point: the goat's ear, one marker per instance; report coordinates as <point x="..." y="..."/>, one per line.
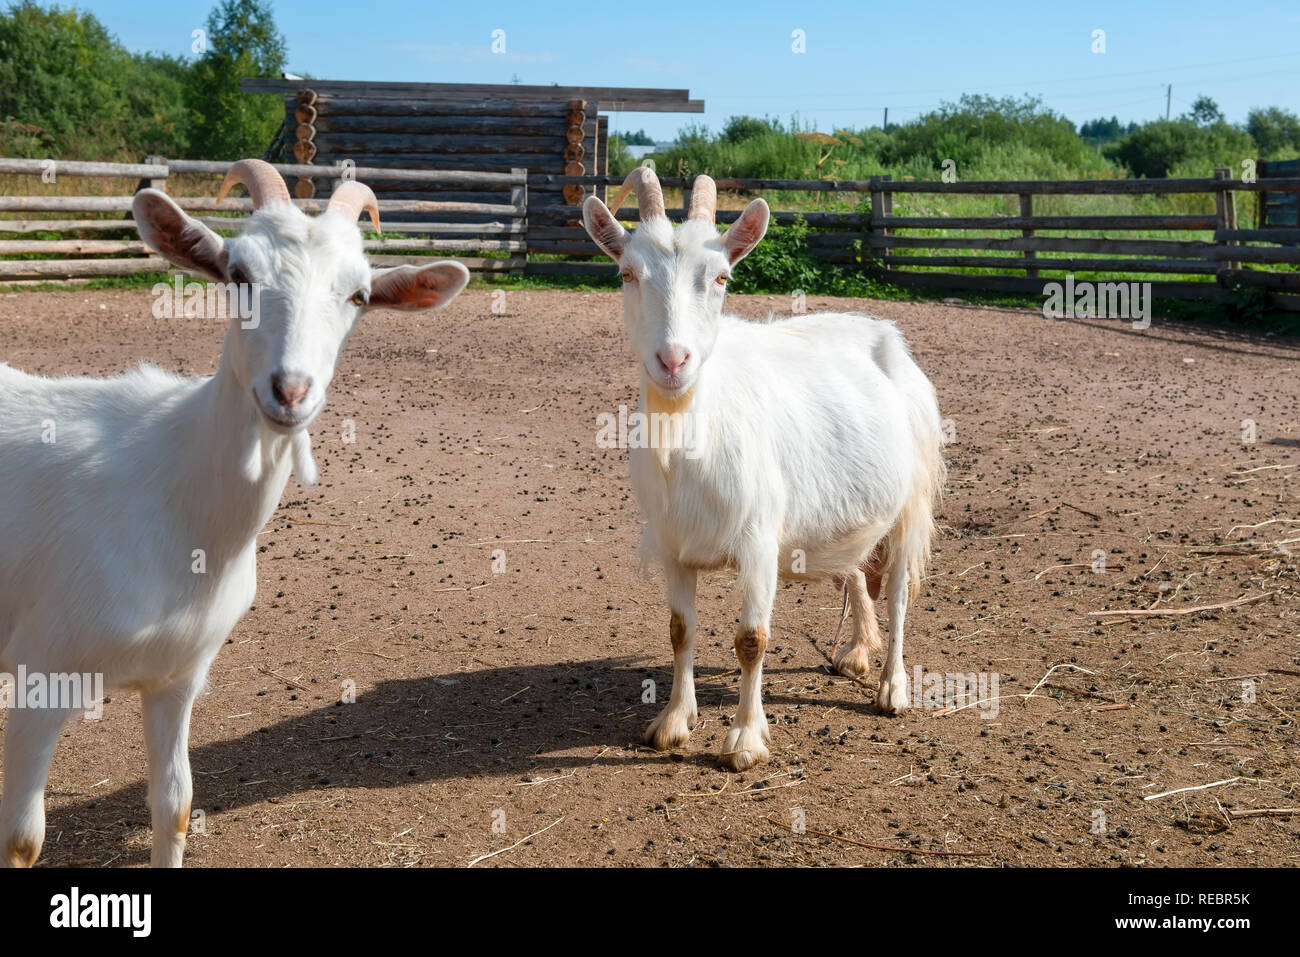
<point x="746" y="232"/>
<point x="603" y="228"/>
<point x="182" y="241"/>
<point x="417" y="287"/>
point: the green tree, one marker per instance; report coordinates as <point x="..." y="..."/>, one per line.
<point x="741" y="128"/>
<point x="241" y="41"/>
<point x="1205" y="112"/>
<point x="73" y="91"/>
<point x="1101" y="130"/>
<point x="1275" y="131"/>
<point x="1156" y="148"/>
<point x="976" y="126"/>
<point x="639" y="138"/>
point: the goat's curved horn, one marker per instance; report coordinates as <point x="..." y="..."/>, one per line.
<point x="649" y="194"/>
<point x="350" y="198"/>
<point x="704" y="199"/>
<point x="263" y="182"/>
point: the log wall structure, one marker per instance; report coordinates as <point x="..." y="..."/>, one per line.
<point x="484" y="127"/>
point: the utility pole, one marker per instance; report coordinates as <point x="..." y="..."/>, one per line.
<point x="886" y="126"/>
<point x="1169" y="95"/>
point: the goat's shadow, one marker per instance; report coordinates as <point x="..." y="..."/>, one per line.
<point x="512" y="721"/>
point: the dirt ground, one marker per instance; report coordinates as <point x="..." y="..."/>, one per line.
<point x="491" y="706"/>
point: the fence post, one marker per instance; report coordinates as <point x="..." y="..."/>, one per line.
<point x="159" y="183"/>
<point x="882" y="205"/>
<point x="519" y="197"/>
<point x="1027" y="211"/>
<point x="1224" y="208"/>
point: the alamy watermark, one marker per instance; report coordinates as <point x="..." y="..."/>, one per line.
<point x="1098" y="300"/>
<point x="210" y="300"/>
<point x="650" y="430"/>
<point x="65" y="691"/>
<point x="937" y="690"/>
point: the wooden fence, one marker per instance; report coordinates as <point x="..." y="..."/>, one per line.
<point x="1208" y="254"/>
<point x="1222" y="259"/>
<point x="500" y="228"/>
<point x="835" y="237"/>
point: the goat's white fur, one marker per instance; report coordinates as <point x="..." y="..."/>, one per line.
<point x="817" y="442"/>
<point x="100" y="528"/>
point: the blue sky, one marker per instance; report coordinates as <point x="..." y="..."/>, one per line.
<point x="737" y="56"/>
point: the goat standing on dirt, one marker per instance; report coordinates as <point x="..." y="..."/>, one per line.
<point x="131" y="506"/>
<point x="817" y="452"/>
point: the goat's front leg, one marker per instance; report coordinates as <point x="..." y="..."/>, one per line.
<point x="171" y="788"/>
<point x="746" y="742"/>
<point x="673" y="725"/>
<point x="30" y="738"/>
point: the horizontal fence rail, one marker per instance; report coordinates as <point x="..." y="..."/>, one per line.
<point x="1186" y="254"/>
<point x="501" y="228"/>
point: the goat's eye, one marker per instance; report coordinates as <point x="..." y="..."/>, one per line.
<point x="722" y="279"/>
<point x="359" y="298"/>
<point x="628" y="275"/>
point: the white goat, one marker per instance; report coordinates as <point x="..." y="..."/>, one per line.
<point x="816" y="451"/>
<point x="113" y="486"/>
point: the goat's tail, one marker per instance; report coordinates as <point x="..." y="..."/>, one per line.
<point x="907" y="545"/>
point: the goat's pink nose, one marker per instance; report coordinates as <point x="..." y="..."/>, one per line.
<point x="289" y="390"/>
<point x="673" y="358"/>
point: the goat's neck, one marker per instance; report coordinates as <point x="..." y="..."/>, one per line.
<point x="236" y="468"/>
<point x="655" y="403"/>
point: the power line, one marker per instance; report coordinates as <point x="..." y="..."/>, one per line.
<point x="1020" y="84"/>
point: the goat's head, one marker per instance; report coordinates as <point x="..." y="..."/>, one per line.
<point x="674" y="280"/>
<point x="311" y="282"/>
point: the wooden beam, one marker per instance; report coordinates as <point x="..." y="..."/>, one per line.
<point x="69" y="268"/>
<point x="1186" y="266"/>
<point x="85" y="247"/>
<point x="510" y="264"/>
<point x="466" y="177"/>
<point x="36" y="167"/>
<point x="1274" y="235"/>
<point x="65" y="225"/>
<point x="206" y="204"/>
<point x="639" y="99"/>
<point x="723" y="182"/>
<point x="1172" y="248"/>
<point x="1050" y="222"/>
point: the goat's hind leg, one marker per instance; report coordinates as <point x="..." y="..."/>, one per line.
<point x="673" y="725"/>
<point x="31" y="735"/>
<point x="891" y="695"/>
<point x="854" y="659"/>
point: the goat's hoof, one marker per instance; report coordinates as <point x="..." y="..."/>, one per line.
<point x="745" y="747"/>
<point x="853" y="661"/>
<point x="891" y="695"/>
<point x="21" y="853"/>
<point x="670" y="729"/>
